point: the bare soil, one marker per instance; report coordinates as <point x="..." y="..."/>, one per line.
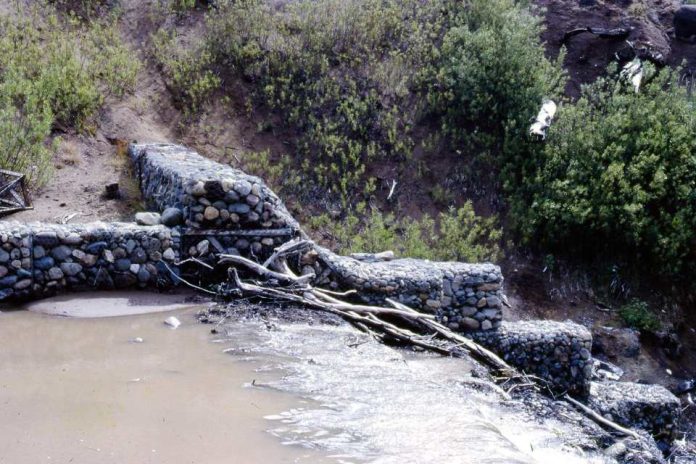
<point x="588" y="55"/>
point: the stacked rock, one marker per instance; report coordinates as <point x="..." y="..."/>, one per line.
<point x="463" y="296"/>
<point x="209" y="245"/>
<point x="557" y="352"/>
<point x="211" y="195"/>
<point x="15" y="260"/>
<point x="98" y="255"/>
<point x="648" y="407"/>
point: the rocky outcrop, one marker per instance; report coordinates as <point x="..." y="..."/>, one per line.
<point x="685" y="23"/>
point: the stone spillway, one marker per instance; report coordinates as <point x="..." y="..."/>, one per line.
<point x="219" y="209"/>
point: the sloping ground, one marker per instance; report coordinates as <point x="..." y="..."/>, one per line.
<point x="85" y="164"/>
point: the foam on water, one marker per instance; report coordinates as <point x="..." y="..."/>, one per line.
<point x="370" y="403"/>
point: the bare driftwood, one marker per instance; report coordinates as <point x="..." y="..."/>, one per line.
<point x="600" y="419"/>
<point x="298" y="289"/>
<point x="13" y="192"/>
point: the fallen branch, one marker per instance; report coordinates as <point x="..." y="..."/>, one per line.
<point x="286" y="249"/>
<point x="600" y="419"/>
<point x="185" y="282"/>
<point x="301" y="292"/>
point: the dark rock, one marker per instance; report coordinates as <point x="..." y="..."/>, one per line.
<point x="123" y="264"/>
<point x="112" y="192"/>
<point x="44" y="263"/>
<point x="38" y="252"/>
<point x="22" y="284"/>
<point x="8" y="281"/>
<point x="172" y="217"/>
<point x="670" y="343"/>
<point x="143" y="275"/>
<point x="96" y="247"/>
<point x="214" y="190"/>
<point x="46" y="238"/>
<point x="71" y="269"/>
<point x="23" y="273"/>
<point x="685" y="386"/>
<point x="239" y="208"/>
<point x="685" y="23"/>
<point x="139" y="256"/>
<point x="61" y="253"/>
<point x="615" y="342"/>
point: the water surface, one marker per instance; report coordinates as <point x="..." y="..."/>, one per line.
<point x="129" y="389"/>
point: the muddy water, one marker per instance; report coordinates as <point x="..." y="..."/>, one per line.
<point x="81" y="390"/>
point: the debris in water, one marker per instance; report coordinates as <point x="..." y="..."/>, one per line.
<point x="172" y="322"/>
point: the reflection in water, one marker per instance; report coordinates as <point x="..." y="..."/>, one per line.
<point x="371" y="403"/>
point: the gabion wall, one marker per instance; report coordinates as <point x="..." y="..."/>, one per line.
<point x="42" y="259"/>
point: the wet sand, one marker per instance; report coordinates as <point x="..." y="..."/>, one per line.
<point x="80" y="390"/>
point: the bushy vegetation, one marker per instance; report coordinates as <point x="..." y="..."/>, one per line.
<point x="617" y="177"/>
<point x="637" y="314"/>
<point x="53" y="74"/>
<point x="361" y="82"/>
<point x="492" y="78"/>
<point x="462" y="235"/>
<point x="354" y="78"/>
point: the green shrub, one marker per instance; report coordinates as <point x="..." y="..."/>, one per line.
<point x="637" y="314"/>
<point x="53" y="74"/>
<point x="493" y="76"/>
<point x="617" y="177"/>
<point x="354" y="78"/>
<point x="462" y="236"/>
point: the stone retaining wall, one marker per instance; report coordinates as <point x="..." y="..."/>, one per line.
<point x="42" y="259"/>
<point x="211" y="195"/>
<point x="648" y="407"/>
<point x="463" y="296"/>
<point x="558" y="352"/>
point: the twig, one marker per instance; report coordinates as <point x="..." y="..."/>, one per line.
<point x="391" y="190"/>
<point x="195" y="260"/>
<point x="188" y="283"/>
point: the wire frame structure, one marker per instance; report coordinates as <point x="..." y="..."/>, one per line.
<point x="13" y="193"/>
